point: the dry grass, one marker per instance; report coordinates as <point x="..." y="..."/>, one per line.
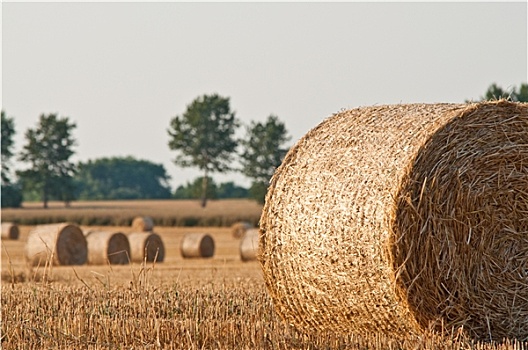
<point x="238" y="316"/>
<point x="122" y="213"/>
<point x="217" y="303"/>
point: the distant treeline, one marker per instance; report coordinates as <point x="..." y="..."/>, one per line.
<point x="120" y="178"/>
<point x="203" y="137"/>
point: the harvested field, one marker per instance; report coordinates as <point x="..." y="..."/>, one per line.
<point x="216" y="303"/>
<point x="122" y="213"/>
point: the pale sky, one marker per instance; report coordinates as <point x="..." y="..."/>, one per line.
<point x="121" y="71"/>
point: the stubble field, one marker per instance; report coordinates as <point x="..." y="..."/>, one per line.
<point x="214" y="303"/>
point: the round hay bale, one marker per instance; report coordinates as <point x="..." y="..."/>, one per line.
<point x="397" y="219"/>
<point x="60" y="244"/>
<point x="249" y="245"/>
<point x="10" y="230"/>
<point x="142" y="224"/>
<point x="238" y="229"/>
<point x="146" y="246"/>
<point x="197" y="245"/>
<point x="106" y="247"/>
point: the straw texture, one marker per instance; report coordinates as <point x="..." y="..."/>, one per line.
<point x="105" y="247"/>
<point x="58" y="244"/>
<point x="142" y="224"/>
<point x="10" y="230"/>
<point x="197" y="245"/>
<point x="249" y="245"/>
<point x="146" y="246"/>
<point x="398" y="218"/>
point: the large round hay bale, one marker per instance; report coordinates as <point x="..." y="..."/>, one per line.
<point x="60" y="244"/>
<point x="396" y="218"/>
<point x="238" y="229"/>
<point x="197" y="245"/>
<point x="249" y="245"/>
<point x="10" y="230"/>
<point x="142" y="224"/>
<point x="105" y="247"/>
<point x="146" y="246"/>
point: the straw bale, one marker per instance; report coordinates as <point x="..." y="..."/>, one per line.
<point x="238" y="229"/>
<point x="249" y="245"/>
<point x="142" y="224"/>
<point x="60" y="244"/>
<point x="10" y="230"/>
<point x="146" y="246"/>
<point x="105" y="247"/>
<point x="396" y="218"/>
<point x="197" y="245"/>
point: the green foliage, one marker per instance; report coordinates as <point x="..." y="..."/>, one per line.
<point x="11" y="196"/>
<point x="263" y="148"/>
<point x="122" y="178"/>
<point x="8" y="131"/>
<point x="496" y="92"/>
<point x="193" y="190"/>
<point x="230" y="190"/>
<point x="263" y="151"/>
<point x="204" y="136"/>
<point x="48" y="150"/>
<point x="258" y="191"/>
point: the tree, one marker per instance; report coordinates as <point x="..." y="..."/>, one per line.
<point x="495" y="92"/>
<point x="48" y="150"/>
<point x="263" y="151"/>
<point x="230" y="190"/>
<point x="11" y="192"/>
<point x="193" y="190"/>
<point x="8" y="131"/>
<point x="521" y="95"/>
<point x="122" y="178"/>
<point x="204" y="137"/>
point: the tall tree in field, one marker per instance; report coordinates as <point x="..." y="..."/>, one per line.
<point x="262" y="152"/>
<point x="204" y="137"/>
<point x="8" y="131"/>
<point x="11" y="192"/>
<point x="48" y="150"/>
